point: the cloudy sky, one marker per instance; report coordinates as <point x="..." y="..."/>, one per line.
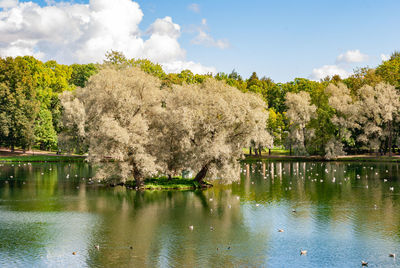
<point x="280" y="39"/>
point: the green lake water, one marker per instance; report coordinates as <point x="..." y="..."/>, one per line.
<point x="341" y="213"/>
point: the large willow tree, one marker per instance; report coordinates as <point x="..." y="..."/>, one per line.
<point x="379" y="110"/>
<point x="300" y="112"/>
<point x="135" y="128"/>
<point x="110" y="117"/>
<point x="204" y="127"/>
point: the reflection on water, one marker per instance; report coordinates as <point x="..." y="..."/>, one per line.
<point x="341" y="213"/>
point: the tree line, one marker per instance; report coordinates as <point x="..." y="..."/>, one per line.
<point x="330" y="117"/>
<point x="30" y="109"/>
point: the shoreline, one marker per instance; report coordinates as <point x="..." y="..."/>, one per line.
<point x="346" y="158"/>
<point x="37" y="156"/>
<point x="44" y="156"/>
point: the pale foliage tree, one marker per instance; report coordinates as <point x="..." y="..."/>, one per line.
<point x="72" y="138"/>
<point x="333" y="148"/>
<point x="379" y="109"/>
<point x="112" y="117"/>
<point x="346" y="112"/>
<point x="126" y="116"/>
<point x="300" y="112"/>
<point x="203" y="127"/>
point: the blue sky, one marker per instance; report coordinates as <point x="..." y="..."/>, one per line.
<point x="279" y="39"/>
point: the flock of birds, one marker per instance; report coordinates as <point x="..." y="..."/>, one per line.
<point x="310" y="173"/>
<point x="11" y="177"/>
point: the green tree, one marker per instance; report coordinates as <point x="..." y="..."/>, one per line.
<point x="18" y="103"/>
<point x="390" y="70"/>
<point x="361" y="77"/>
<point x="277" y="127"/>
<point x="186" y="76"/>
<point x="149" y="67"/>
<point x="81" y="74"/>
<point x="45" y="135"/>
<point x="114" y="57"/>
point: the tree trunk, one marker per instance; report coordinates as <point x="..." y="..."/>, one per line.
<point x="260" y="151"/>
<point x="250" y="151"/>
<point x="202" y="174"/>
<point x="390" y="138"/>
<point x="139" y="182"/>
<point x="138" y="176"/>
<point x="12" y="148"/>
<point x="269" y="151"/>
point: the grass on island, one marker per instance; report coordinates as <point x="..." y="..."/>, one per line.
<point x="163" y="183"/>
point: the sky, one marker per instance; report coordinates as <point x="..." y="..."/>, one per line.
<point x="278" y="39"/>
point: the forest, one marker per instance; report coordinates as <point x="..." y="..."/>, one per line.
<point x="329" y="118"/>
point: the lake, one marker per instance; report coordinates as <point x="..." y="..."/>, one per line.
<point x="341" y="213"/>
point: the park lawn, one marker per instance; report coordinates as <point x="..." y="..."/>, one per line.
<point x="42" y="158"/>
<point x="265" y="152"/>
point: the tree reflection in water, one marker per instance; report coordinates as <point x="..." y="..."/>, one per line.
<point x="345" y="212"/>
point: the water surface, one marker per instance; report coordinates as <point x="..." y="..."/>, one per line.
<point x="341" y="213"/>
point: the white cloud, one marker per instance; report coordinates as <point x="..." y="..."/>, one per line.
<point x="163" y="45"/>
<point x="352" y="56"/>
<point x="385" y="57"/>
<point x="8" y="3"/>
<point x="205" y="39"/>
<point x="328" y="70"/>
<point x="194" y="7"/>
<point x="69" y="32"/>
<point x="177" y="66"/>
<point x="21" y="47"/>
